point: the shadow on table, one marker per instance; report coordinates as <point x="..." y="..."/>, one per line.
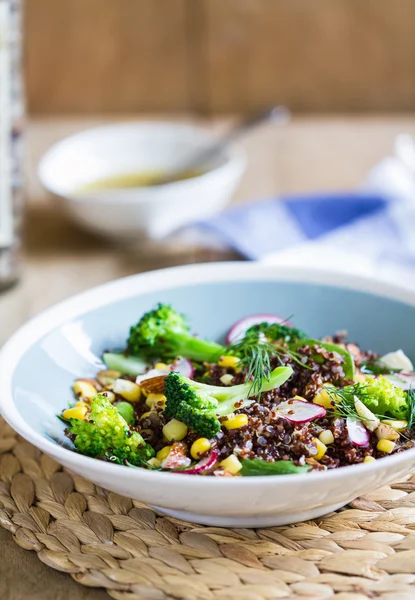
<point x="50" y="232"/>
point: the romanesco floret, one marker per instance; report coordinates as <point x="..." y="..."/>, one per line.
<point x="199" y="405"/>
<point x="383" y="398"/>
<point x="106" y="434"/>
<point x="164" y="333"/>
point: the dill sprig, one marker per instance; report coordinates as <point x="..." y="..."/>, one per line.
<point x="411" y="413"/>
<point x="255" y="352"/>
<point x="278" y="332"/>
<point x="343" y="399"/>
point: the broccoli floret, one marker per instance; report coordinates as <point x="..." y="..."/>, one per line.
<point x="277" y="332"/>
<point x="199" y="405"/>
<point x="106" y="434"/>
<point x="383" y="398"/>
<point x="164" y="333"/>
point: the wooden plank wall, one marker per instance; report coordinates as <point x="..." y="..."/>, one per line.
<point x="213" y="56"/>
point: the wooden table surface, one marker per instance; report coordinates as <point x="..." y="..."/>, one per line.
<point x="310" y="154"/>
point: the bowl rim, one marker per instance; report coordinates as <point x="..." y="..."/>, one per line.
<point x="126" y="287"/>
<point x="234" y="162"/>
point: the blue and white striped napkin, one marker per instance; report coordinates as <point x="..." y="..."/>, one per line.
<point x="371" y="230"/>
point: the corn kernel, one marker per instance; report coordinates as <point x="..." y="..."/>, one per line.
<point x="199" y="447"/>
<point x="321" y="449"/>
<point x="368" y="459"/>
<point x="226" y="379"/>
<point x="236" y="422"/>
<point x="385" y="446"/>
<point x="77" y="412"/>
<point x="326" y="437"/>
<point x="398" y="425"/>
<point x="81" y="403"/>
<point x="161" y="366"/>
<point x="84" y="389"/>
<point x="127" y="389"/>
<point x="163" y="453"/>
<point x="231" y="464"/>
<point x="154" y="462"/>
<point x="324" y="399"/>
<point x="156" y="400"/>
<point x="228" y="361"/>
<point x="174" y="430"/>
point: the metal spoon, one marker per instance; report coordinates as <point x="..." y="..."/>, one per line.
<point x="277" y="114"/>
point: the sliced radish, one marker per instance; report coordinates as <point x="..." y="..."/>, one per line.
<point x="300" y="411"/>
<point x="181" y="365"/>
<point x="358" y="434"/>
<point x="238" y="330"/>
<point x="402" y="380"/>
<point x="203" y="465"/>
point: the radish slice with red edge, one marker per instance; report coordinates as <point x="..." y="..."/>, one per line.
<point x="181" y="365"/>
<point x="358" y="434"/>
<point x="204" y="464"/>
<point x="238" y="330"/>
<point x="300" y="411"/>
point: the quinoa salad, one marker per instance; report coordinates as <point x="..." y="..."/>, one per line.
<point x="271" y="400"/>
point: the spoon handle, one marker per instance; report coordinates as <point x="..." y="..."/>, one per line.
<point x="276" y="114"/>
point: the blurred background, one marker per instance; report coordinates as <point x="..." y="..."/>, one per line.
<point x="219" y="56"/>
<point x="346" y="71"/>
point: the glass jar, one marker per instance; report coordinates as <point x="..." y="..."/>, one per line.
<point x="11" y="129"/>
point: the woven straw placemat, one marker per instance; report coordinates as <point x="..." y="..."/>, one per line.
<point x="366" y="550"/>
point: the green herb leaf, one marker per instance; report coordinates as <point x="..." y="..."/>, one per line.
<point x="343" y="399"/>
<point x="277" y="332"/>
<point x="377" y="367"/>
<point x="348" y="363"/>
<point x="255" y="353"/>
<point x="126" y="410"/>
<point x="410" y="397"/>
<point x="257" y="466"/>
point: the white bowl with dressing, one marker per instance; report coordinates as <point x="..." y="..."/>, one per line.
<point x="79" y="168"/>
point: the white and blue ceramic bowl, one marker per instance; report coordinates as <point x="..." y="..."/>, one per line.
<point x="147" y="147"/>
<point x="39" y="364"/>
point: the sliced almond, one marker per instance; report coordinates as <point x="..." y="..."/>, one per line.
<point x="155" y="385"/>
<point x="385" y="432"/>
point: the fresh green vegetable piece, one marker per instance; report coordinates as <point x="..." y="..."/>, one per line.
<point x="255" y="352"/>
<point x="106" y="434"/>
<point x="277" y="332"/>
<point x="344" y="400"/>
<point x="164" y="333"/>
<point x="199" y="405"/>
<point x="410" y="398"/>
<point x="348" y="363"/>
<point x="257" y="466"/>
<point x="126" y="410"/>
<point x="127" y="365"/>
<point x="381" y="396"/>
<point x="377" y="367"/>
<point x="378" y="394"/>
